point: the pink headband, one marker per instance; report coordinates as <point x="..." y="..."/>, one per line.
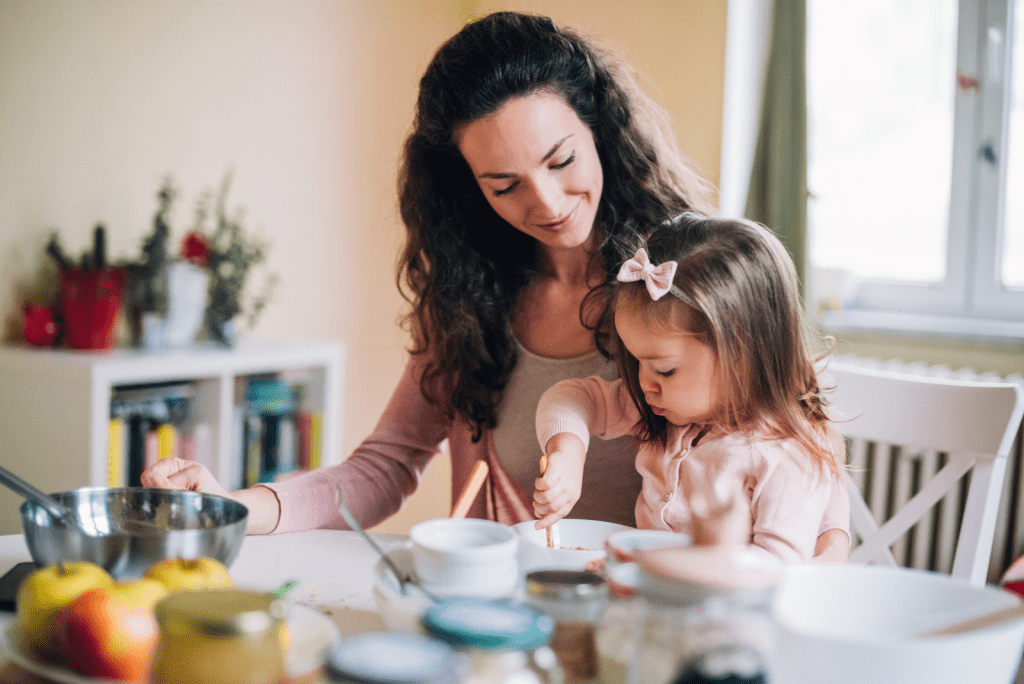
<point x="657" y="278"/>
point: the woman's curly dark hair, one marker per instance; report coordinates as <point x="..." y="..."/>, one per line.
<point x="463" y="266"/>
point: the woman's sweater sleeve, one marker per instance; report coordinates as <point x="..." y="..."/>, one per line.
<point x="379" y="475"/>
<point x="585" y="407"/>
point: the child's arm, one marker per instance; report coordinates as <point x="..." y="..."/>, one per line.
<point x="567" y="414"/>
<point x="558" y="489"/>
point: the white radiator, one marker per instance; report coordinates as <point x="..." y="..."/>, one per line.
<point x="892" y="477"/>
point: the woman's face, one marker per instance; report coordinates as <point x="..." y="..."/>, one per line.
<point x="537" y="165"/>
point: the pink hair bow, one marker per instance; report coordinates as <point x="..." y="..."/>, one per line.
<point x="657" y="278"/>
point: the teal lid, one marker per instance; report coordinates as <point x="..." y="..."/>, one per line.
<point x="394" y="658"/>
<point x="486" y="624"/>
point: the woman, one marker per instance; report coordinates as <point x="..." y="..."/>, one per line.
<point x="533" y="156"/>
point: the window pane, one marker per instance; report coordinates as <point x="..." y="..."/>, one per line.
<point x="880" y="77"/>
<point x="1013" y="223"/>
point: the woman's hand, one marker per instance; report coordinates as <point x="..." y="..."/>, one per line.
<point x="179" y="473"/>
<point x="558" y="489"/>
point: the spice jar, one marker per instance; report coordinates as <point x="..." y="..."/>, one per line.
<point x="392" y="657"/>
<point x="575" y="600"/>
<point x="703" y="615"/>
<point x="222" y="636"/>
<point x="506" y="643"/>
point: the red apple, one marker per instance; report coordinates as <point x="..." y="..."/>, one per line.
<point x="112" y="632"/>
<point x="44" y="594"/>
<point x="192" y="573"/>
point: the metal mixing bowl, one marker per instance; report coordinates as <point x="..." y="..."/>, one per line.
<point x="125" y="530"/>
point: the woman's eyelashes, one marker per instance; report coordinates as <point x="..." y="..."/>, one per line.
<point x="561" y="165"/>
<point x="666" y="373"/>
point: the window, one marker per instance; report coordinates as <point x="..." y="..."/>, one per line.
<point x="916" y="164"/>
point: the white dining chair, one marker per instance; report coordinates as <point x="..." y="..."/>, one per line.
<point x="962" y="426"/>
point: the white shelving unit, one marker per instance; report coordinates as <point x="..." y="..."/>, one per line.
<point x="55" y="404"/>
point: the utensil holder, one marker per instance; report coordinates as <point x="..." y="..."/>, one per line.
<point x="91" y="302"/>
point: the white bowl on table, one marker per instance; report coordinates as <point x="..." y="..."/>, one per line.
<point x="860" y="623"/>
<point x="465" y="557"/>
<point x="578" y="543"/>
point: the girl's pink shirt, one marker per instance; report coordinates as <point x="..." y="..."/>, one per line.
<point x="792" y="499"/>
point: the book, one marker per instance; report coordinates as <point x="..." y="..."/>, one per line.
<point x="167" y="441"/>
<point x="116" y="451"/>
<point x="316" y="424"/>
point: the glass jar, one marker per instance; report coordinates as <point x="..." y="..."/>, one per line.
<point x="389" y="657"/>
<point x="506" y="643"/>
<point x="221" y="636"/>
<point x="575" y="600"/>
<point x="703" y="615"/>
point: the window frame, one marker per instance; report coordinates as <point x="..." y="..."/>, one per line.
<point x="970" y="302"/>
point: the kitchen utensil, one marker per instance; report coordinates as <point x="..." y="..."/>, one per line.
<point x="547" y="530"/>
<point x="469" y="490"/>
<point x="402" y="577"/>
<point x="127" y="529"/>
<point x="58" y="510"/>
<point x="992" y="619"/>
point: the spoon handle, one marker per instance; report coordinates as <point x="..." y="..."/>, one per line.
<point x="30" y="492"/>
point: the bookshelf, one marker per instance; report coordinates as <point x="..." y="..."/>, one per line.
<point x="55" y="405"/>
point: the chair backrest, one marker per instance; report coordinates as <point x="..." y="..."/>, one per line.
<point x="933" y="431"/>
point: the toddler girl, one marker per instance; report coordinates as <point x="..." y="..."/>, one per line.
<point x="717" y="383"/>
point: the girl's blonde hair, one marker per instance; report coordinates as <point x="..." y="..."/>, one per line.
<point x="742" y="286"/>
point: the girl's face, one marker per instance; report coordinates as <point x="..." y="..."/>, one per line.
<point x="537" y="165"/>
<point x="678" y="372"/>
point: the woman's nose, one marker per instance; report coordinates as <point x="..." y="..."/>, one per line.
<point x="549" y="198"/>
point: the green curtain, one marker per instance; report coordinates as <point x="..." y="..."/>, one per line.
<point x="777" y="196"/>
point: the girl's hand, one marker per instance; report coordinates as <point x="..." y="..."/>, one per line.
<point x="179" y="473"/>
<point x="558" y="489"/>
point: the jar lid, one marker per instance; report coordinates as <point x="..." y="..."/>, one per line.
<point x="395" y="658"/>
<point x="566" y="585"/>
<point x="490" y="625"/>
<point x="219" y="612"/>
<point x="696" y="572"/>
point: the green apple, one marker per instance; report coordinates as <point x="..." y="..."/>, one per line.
<point x="111" y="631"/>
<point x="44" y="594"/>
<point x="194" y="573"/>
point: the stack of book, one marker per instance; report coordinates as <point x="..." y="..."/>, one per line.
<point x="145" y="426"/>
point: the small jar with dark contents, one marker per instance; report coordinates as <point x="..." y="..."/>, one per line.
<point x="575" y="600"/>
<point x="703" y="616"/>
<point x="222" y="636"/>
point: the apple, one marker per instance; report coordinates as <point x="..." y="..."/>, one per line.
<point x="112" y="632"/>
<point x="44" y="594"/>
<point x="193" y="573"/>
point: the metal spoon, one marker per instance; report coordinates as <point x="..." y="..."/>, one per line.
<point x="56" y="509"/>
<point x="403" y="578"/>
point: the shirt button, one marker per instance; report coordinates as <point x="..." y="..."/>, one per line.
<point x="667" y="497"/>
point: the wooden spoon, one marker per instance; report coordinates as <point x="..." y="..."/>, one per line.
<point x="992" y="619"/>
<point x="469" y="490"/>
<point x="543" y="469"/>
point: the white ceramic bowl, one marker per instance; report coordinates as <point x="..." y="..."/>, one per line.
<point x="622" y="546"/>
<point x="859" y="623"/>
<point x="576" y="543"/>
<point x="465" y="557"/>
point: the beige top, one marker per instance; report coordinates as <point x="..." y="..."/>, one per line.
<point x="611" y="482"/>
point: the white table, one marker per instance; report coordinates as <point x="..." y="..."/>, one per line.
<point x="333" y="568"/>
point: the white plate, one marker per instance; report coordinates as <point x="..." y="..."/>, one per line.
<point x="311" y="634"/>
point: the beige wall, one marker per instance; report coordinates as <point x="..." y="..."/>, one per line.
<point x="308" y="102"/>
